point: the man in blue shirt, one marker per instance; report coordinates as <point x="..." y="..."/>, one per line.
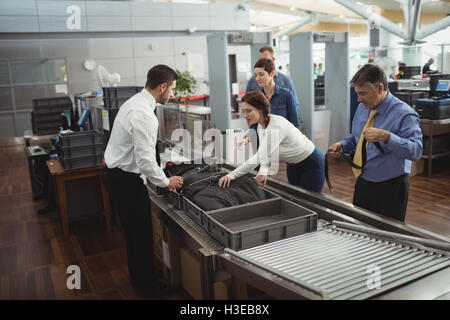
<point x="383" y="184"/>
<point x="279" y="78"/>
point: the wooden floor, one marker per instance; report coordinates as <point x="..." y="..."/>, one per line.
<point x="34" y="256"/>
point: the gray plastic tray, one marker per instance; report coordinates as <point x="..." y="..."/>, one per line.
<point x="199" y="215"/>
<point x="80" y="139"/>
<point x="81" y="152"/>
<point x="176" y="199"/>
<point x="79" y="163"/>
<point x="254" y="224"/>
<point x="156" y="189"/>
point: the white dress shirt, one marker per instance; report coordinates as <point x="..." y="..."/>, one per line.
<point x="293" y="146"/>
<point x="131" y="146"/>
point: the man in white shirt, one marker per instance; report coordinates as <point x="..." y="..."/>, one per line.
<point x="131" y="152"/>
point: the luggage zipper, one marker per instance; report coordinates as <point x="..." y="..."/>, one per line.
<point x="212" y="167"/>
<point x="212" y="178"/>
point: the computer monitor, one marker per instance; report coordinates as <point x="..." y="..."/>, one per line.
<point x="442" y="86"/>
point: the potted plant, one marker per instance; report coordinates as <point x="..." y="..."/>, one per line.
<point x="186" y="85"/>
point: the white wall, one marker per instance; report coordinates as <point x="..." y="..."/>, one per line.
<point x="98" y="16"/>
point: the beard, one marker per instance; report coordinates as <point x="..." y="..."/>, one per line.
<point x="164" y="97"/>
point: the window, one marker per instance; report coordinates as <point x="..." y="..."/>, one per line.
<point x="38" y="71"/>
<point x="5" y="99"/>
<point x="33" y="78"/>
<point x="4" y="73"/>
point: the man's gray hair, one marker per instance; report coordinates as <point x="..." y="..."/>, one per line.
<point x="370" y="75"/>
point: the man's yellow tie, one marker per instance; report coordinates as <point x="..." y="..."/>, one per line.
<point x="357" y="159"/>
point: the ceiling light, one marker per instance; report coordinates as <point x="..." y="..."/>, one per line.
<point x="292" y="8"/>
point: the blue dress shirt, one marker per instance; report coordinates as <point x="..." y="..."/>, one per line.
<point x="404" y="145"/>
<point x="279" y="78"/>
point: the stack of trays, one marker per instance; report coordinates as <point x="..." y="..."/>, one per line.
<point x="114" y="97"/>
<point x="46" y="117"/>
<point x="253" y="224"/>
<point x="78" y="150"/>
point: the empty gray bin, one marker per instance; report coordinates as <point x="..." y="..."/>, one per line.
<point x="198" y="214"/>
<point x="254" y="224"/>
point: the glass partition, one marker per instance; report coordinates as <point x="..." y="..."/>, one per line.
<point x="38" y="71"/>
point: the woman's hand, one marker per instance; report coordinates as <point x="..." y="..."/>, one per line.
<point x="224" y="182"/>
<point x="261" y="179"/>
<point x="243" y="142"/>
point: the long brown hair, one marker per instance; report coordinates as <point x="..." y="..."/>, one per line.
<point x="259" y="101"/>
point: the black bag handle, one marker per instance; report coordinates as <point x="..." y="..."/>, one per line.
<point x="348" y="159"/>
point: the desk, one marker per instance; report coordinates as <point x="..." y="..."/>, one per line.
<point x="199" y="112"/>
<point x="432" y="128"/>
<point x="28" y="137"/>
<point x="61" y="176"/>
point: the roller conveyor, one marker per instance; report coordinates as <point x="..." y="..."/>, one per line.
<point x="413" y="262"/>
<point x="338" y="264"/>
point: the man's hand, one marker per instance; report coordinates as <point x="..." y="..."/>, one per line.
<point x="224" y="182"/>
<point x="243" y="142"/>
<point x="175" y="182"/>
<point x="336" y="149"/>
<point x="374" y="135"/>
<point x="261" y="179"/>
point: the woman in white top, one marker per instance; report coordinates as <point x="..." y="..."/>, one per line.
<point x="305" y="162"/>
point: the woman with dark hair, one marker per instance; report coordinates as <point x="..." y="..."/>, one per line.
<point x="305" y="162"/>
<point x="282" y="100"/>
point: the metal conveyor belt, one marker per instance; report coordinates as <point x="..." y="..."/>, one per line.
<point x="202" y="232"/>
<point x="338" y="264"/>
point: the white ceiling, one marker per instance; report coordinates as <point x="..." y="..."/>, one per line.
<point x="270" y="13"/>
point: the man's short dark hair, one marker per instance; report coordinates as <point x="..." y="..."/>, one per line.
<point x="160" y="74"/>
<point x="369" y="75"/>
<point x="266" y="48"/>
<point x="267" y="64"/>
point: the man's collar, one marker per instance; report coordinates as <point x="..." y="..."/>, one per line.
<point x="382" y="107"/>
<point x="149" y="97"/>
